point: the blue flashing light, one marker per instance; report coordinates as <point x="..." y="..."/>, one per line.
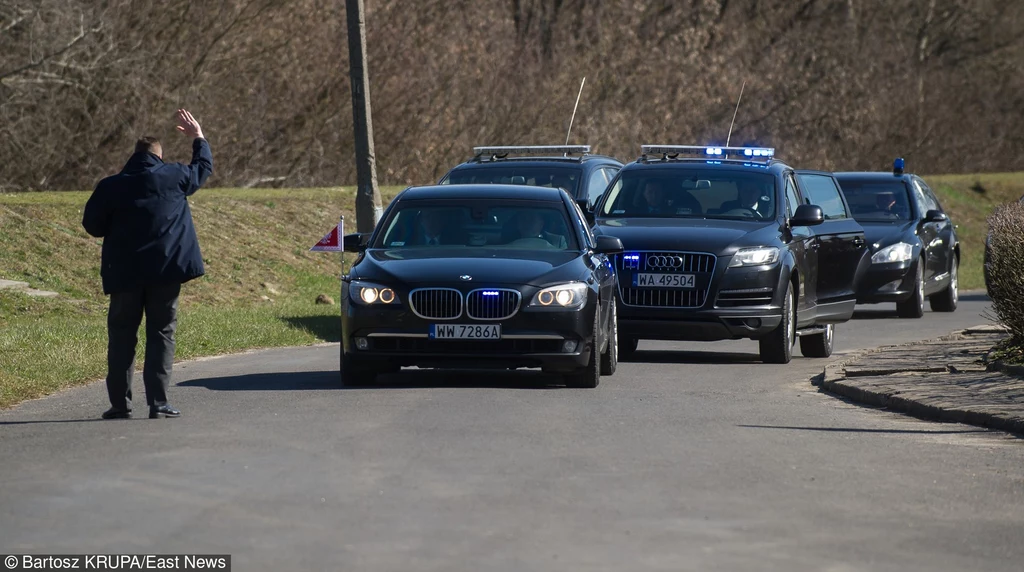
<point x="748" y="152"/>
<point x="897" y="166"/>
<point x="489" y="293"/>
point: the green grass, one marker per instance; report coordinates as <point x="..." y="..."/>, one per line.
<point x="255" y="242"/>
<point x="969" y="199"/>
<point x="259" y="291"/>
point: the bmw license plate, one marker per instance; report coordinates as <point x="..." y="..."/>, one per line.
<point x="465" y="331"/>
<point x="645" y="280"/>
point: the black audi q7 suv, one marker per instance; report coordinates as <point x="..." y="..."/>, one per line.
<point x="480" y="276"/>
<point x="730" y="243"/>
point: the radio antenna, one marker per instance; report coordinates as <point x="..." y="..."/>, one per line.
<point x="738" y="99"/>
<point x="574" y="109"/>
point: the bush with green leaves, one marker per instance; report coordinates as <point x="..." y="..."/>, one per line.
<point x="1006" y="267"/>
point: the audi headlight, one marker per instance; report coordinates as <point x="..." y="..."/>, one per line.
<point x="369" y="294"/>
<point x="758" y="256"/>
<point x="571" y="296"/>
<point x="899" y="252"/>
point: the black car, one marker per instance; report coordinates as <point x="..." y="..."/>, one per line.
<point x="571" y="167"/>
<point x="480" y="276"/>
<point x="915" y="252"/>
<point x="731" y="243"/>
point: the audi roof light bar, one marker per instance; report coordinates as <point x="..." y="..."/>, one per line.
<point x="751" y="154"/>
<point x="506" y="150"/>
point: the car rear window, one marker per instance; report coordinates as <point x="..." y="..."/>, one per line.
<point x="526" y="226"/>
<point x="554" y="177"/>
<point x="876" y="201"/>
<point x="692" y="193"/>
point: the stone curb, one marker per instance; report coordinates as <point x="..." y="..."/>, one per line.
<point x="834" y="379"/>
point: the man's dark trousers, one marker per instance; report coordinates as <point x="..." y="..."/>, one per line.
<point x="159" y="303"/>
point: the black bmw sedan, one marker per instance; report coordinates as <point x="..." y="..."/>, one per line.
<point x="915" y="253"/>
<point x="730" y="243"/>
<point x="480" y="276"/>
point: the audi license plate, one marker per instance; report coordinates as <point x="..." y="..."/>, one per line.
<point x="644" y="280"/>
<point x="465" y="331"/>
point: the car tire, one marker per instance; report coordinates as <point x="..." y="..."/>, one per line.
<point x="627" y="348"/>
<point x="610" y="357"/>
<point x="946" y="300"/>
<point x="913" y="307"/>
<point x="588" y="376"/>
<point x="777" y="346"/>
<point x="818" y="345"/>
<point x="354" y="373"/>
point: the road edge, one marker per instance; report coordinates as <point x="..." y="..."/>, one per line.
<point x="833" y="380"/>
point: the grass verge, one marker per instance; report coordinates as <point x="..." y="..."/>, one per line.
<point x="259" y="291"/>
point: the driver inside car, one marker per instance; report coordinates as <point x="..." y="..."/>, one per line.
<point x="530" y="225"/>
<point x="749" y="197"/>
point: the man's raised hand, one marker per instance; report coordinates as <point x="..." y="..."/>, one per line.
<point x="188" y="124"/>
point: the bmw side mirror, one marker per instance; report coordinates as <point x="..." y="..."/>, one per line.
<point x="807" y="215"/>
<point x="935" y="215"/>
<point x="608" y="245"/>
<point x="355" y="242"/>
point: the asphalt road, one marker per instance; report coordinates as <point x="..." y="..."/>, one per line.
<point x="695" y="458"/>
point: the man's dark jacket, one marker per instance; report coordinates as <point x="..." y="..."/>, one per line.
<point x="142" y="213"/>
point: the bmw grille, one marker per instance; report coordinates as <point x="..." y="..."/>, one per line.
<point x="492" y="303"/>
<point x="436" y="303"/>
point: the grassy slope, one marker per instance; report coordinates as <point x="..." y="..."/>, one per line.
<point x="254" y="242"/>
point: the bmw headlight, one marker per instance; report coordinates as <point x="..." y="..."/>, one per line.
<point x="899" y="252"/>
<point x="369" y="294"/>
<point x="758" y="256"/>
<point x="571" y="296"/>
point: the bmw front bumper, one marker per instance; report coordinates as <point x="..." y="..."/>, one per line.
<point x="395" y="336"/>
<point x="891" y="282"/>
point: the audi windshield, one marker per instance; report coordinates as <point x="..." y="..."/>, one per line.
<point x="692" y="193"/>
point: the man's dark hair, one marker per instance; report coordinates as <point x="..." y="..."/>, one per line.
<point x="149" y="145"/>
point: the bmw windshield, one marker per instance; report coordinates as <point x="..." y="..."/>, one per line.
<point x="876" y="201"/>
<point x="692" y="193"/>
<point x="519" y="225"/>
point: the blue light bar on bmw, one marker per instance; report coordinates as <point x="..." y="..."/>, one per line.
<point x="710" y="151"/>
<point x="533" y="150"/>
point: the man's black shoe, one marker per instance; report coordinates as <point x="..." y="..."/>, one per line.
<point x="163" y="411"/>
<point x="114" y="413"/>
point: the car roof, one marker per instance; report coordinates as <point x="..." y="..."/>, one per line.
<point x="488" y="162"/>
<point x="774" y="166"/>
<point x="872" y="175"/>
<point x="483" y="191"/>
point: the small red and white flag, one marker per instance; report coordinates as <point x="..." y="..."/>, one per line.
<point x="331" y="242"/>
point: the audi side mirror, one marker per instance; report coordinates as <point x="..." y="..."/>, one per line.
<point x="355" y="242"/>
<point x="608" y="244"/>
<point x="807" y="215"/>
<point x="935" y="215"/>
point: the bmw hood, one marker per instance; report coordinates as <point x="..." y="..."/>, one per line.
<point x="885" y="233"/>
<point x="699" y="235"/>
<point x="483" y="267"/>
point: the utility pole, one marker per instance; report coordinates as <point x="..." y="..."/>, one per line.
<point x="368" y="208"/>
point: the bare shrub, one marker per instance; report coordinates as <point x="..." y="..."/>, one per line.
<point x="1007" y="267"/>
